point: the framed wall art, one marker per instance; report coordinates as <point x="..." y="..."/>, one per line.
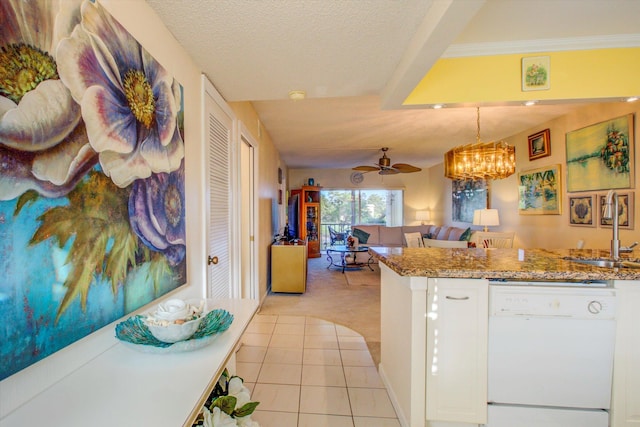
<point x="540" y="191"/>
<point x="600" y="156"/>
<point x="92" y="204"/>
<point x="539" y="145"/>
<point x="535" y="73"/>
<point x="625" y="210"/>
<point x="279" y="175"/>
<point x="468" y="195"/>
<point x="581" y="210"/>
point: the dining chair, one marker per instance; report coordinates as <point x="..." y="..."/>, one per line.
<point x="414" y="240"/>
<point x="336" y="236"/>
<point x="435" y="243"/>
<point x="494" y="239"/>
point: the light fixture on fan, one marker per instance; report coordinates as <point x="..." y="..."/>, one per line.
<point x="384" y="166"/>
<point x="481" y="160"/>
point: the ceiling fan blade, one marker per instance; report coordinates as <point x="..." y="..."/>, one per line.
<point x="405" y="168"/>
<point x="365" y="168"/>
<point x="388" y="171"/>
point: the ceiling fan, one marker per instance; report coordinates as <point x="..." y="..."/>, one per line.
<point x="384" y="166"/>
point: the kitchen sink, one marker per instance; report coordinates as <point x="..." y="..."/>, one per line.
<point x="598" y="262"/>
<point x="606" y="262"/>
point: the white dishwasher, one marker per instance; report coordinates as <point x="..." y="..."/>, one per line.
<point x="550" y="354"/>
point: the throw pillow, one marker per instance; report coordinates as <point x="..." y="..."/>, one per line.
<point x="466" y="235"/>
<point x="362" y="235"/>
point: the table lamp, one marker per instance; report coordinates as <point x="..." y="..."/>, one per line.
<point x="486" y="217"/>
<point x="422" y="216"/>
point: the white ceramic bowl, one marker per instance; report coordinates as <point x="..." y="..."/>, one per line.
<point x="173" y="332"/>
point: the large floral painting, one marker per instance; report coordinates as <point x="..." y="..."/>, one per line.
<point x="92" y="206"/>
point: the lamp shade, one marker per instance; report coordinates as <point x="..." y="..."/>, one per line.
<point x="486" y="217"/>
<point x="423" y="216"/>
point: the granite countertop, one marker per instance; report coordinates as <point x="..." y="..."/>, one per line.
<point x="479" y="263"/>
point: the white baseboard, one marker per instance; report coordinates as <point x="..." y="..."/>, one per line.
<point x="392" y="396"/>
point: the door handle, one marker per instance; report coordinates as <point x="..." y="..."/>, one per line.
<point x="212" y="260"/>
<point x="457" y="298"/>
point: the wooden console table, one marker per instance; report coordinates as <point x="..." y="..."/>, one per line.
<point x="126" y="388"/>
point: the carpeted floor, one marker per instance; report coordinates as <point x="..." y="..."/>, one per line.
<point x="351" y="299"/>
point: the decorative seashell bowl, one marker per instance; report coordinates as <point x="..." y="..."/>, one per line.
<point x="174" y="320"/>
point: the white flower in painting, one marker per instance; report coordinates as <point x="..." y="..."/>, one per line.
<point x="130" y="103"/>
<point x="43" y="145"/>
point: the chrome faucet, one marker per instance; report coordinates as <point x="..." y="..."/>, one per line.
<point x="611" y="212"/>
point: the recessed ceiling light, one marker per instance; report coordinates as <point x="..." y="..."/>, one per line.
<point x="632" y="99"/>
<point x="530" y="103"/>
<point x="297" y="95"/>
<point x="438" y="106"/>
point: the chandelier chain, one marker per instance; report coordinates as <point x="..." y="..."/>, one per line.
<point x="478" y="125"/>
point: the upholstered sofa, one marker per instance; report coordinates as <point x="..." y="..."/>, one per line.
<point x="380" y="235"/>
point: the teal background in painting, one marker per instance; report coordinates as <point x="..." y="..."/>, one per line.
<point x="31" y="290"/>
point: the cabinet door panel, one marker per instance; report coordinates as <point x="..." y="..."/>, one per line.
<point x="457" y="350"/>
<point x="625" y="405"/>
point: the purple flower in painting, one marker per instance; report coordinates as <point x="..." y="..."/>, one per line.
<point x="157" y="213"/>
<point x="43" y="145"/>
<point x="129" y="102"/>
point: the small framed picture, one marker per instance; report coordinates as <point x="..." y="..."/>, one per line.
<point x="540" y="191"/>
<point x="535" y="73"/>
<point x="539" y="145"/>
<point x="279" y="176"/>
<point x="581" y="212"/>
<point x="279" y="197"/>
<point x="625" y="210"/>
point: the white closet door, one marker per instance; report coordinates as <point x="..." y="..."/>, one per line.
<point x="218" y="134"/>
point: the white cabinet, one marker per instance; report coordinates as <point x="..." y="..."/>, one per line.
<point x="434" y="349"/>
<point x="625" y="405"/>
<point x="457" y="350"/>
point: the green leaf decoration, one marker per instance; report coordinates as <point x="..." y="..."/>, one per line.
<point x="96" y="217"/>
<point x="28" y="197"/>
<point x="226" y="404"/>
<point x="159" y="269"/>
<point x="246" y="410"/>
<point x="122" y="255"/>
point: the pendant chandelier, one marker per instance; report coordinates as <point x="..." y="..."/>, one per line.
<point x="482" y="160"/>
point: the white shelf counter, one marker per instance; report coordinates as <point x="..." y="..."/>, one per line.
<point x="124" y="387"/>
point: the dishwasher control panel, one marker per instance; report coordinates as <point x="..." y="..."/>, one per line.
<point x="535" y="301"/>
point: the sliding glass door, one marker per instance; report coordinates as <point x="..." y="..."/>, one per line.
<point x="343" y="208"/>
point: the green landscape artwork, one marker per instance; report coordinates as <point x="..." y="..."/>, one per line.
<point x="600" y="156"/>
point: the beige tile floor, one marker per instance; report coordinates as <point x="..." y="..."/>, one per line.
<point x="308" y="372"/>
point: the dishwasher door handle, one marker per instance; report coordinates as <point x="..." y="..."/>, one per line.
<point x="457" y="298"/>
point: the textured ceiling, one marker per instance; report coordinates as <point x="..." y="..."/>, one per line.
<point x="357" y="61"/>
